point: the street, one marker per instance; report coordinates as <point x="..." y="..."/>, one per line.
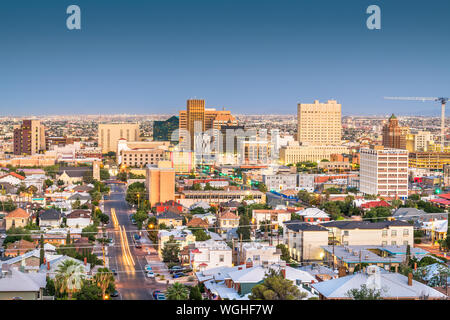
<point x="128" y="261"/>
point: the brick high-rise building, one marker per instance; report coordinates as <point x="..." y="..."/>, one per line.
<point x="384" y="172"/>
<point x="319" y="123"/>
<point x="205" y="119"/>
<point x="29" y="138"/>
<point x="394" y="136"/>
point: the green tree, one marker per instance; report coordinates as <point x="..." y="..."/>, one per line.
<point x="195" y="294"/>
<point x="364" y="293"/>
<point x="244" y="227"/>
<point x="304" y="196"/>
<point x="378" y="214"/>
<point x="104" y="174"/>
<point x="140" y="217"/>
<point x="276" y="287"/>
<point x="285" y="256"/>
<point x="171" y="250"/>
<point x="200" y="235"/>
<point x="88" y="291"/>
<point x="177" y="291"/>
<point x="41" y="252"/>
<point x="69" y="277"/>
<point x="48" y="183"/>
<point x="262" y="187"/>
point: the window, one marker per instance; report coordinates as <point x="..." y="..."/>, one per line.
<point x="394" y="233"/>
<point x="405" y="232"/>
<point x="256" y="258"/>
<point x="221" y="258"/>
<point x="405" y="243"/>
<point x="385" y="233"/>
<point x="384" y="243"/>
<point x="345" y="243"/>
<point x="394" y="243"/>
<point x="346" y="233"/>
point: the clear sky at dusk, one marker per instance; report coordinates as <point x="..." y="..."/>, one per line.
<point x="249" y="56"/>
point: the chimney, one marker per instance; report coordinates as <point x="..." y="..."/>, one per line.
<point x="283" y="272"/>
<point x="415" y="266"/>
<point x="48" y="265"/>
<point x="342" y="272"/>
<point x="410" y="278"/>
<point x="85" y="261"/>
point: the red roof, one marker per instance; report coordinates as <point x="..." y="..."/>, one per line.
<point x="445" y="196"/>
<point x="374" y="204"/>
<point x="441" y="201"/>
<point x="18" y="176"/>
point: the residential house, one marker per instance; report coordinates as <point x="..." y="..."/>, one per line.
<point x="304" y="240"/>
<point x="170" y="218"/>
<point x="320" y="272"/>
<point x="313" y="215"/>
<point x="258" y="253"/>
<point x="198" y="223"/>
<point x="19" y="247"/>
<point x="228" y="220"/>
<point x="374" y="204"/>
<point x="17" y="285"/>
<point x="237" y="282"/>
<point x="79" y="219"/>
<point x="17" y="218"/>
<point x="12" y="178"/>
<point x="276" y="217"/>
<point x="50" y="218"/>
<point x="182" y="236"/>
<point x="168" y="206"/>
<point x="210" y="254"/>
<point x="392" y="286"/>
<point x="349" y="233"/>
<point x="387" y="257"/>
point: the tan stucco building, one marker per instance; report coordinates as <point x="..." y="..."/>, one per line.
<point x="319" y="123"/>
<point x="160" y="182"/>
<point x="110" y="133"/>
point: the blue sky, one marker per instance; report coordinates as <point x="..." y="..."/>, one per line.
<point x="249" y="56"/>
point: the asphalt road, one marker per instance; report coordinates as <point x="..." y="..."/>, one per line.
<point x="132" y="282"/>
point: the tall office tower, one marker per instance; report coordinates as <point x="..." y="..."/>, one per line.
<point x="29" y="138"/>
<point x="206" y="118"/>
<point x="319" y="123"/>
<point x="394" y="136"/>
<point x="162" y="130"/>
<point x="110" y="133"/>
<point x="160" y="182"/>
<point x="384" y="172"/>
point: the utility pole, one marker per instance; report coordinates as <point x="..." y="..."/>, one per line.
<point x="240" y="250"/>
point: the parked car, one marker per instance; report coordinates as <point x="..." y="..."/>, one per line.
<point x="161" y="296"/>
<point x="178" y="275"/>
<point x="115" y="294"/>
<point x="148" y="267"/>
<point x="114" y="272"/>
<point x="150" y="274"/>
<point x="110" y="242"/>
<point x="3" y="236"/>
<point x="175" y="269"/>
<point x="155" y="293"/>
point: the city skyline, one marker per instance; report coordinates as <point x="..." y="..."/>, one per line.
<point x="247" y="58"/>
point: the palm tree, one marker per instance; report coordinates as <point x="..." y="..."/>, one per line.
<point x="69" y="277"/>
<point x="103" y="278"/>
<point x="177" y="291"/>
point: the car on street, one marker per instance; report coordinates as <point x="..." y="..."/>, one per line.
<point x="178" y="275"/>
<point x="148" y="267"/>
<point x="114" y="272"/>
<point x="3" y="236"/>
<point x="150" y="274"/>
<point x="175" y="269"/>
<point x="161" y="296"/>
<point x="155" y="293"/>
<point x="110" y="242"/>
<point x="115" y="294"/>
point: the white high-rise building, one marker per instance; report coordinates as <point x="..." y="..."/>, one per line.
<point x="384" y="172"/>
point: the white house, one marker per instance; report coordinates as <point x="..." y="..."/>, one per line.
<point x="78" y="219"/>
<point x="210" y="254"/>
<point x="12" y="178"/>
